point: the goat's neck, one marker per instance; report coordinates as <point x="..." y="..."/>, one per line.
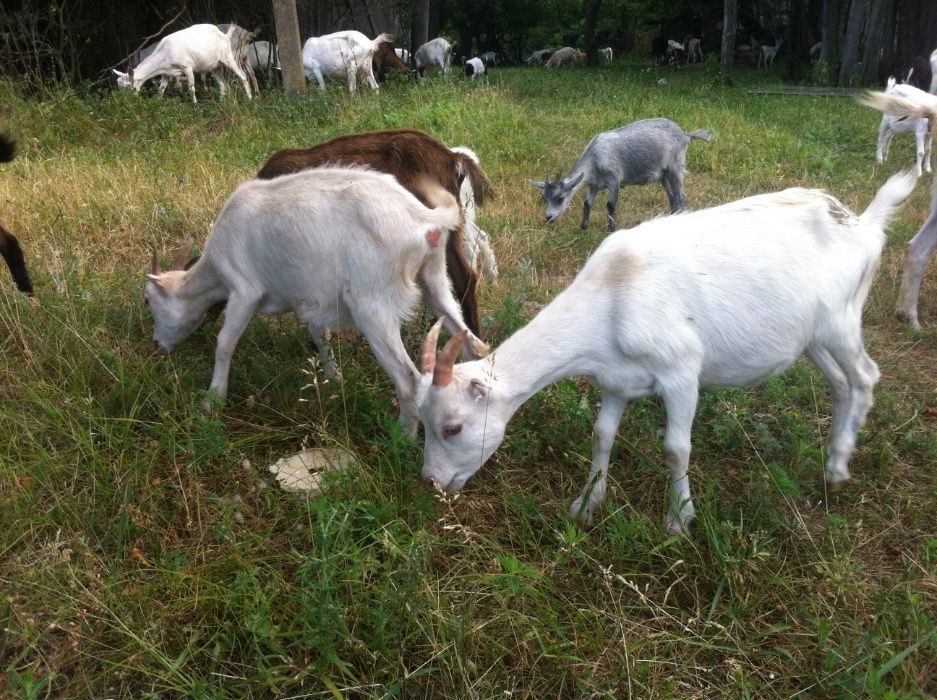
<point x="147" y="69"/>
<point x="561" y="341"/>
<point x="202" y="286"/>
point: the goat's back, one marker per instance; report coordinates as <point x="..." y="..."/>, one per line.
<point x="639" y="151"/>
<point x="407" y="154"/>
<point x="747" y="286"/>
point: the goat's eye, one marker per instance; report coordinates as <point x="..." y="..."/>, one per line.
<point x="449" y="431"/>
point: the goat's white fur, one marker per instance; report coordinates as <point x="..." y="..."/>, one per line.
<point x="342" y="54"/>
<point x="201" y="48"/>
<point x="475" y="246"/>
<point x="892" y="124"/>
<point x="726" y="296"/>
<point x="341" y="247"/>
<point x="607" y="55"/>
<point x="435" y="52"/>
<point x="916" y="104"/>
<point x="768" y="53"/>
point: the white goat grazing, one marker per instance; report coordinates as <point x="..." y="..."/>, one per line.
<point x="474" y="67"/>
<point x="892" y="125"/>
<point x="258" y="57"/>
<point x="916" y="104"/>
<point x="564" y="56"/>
<point x="693" y="50"/>
<point x="403" y="55"/>
<point x="342" y="54"/>
<point x="435" y="52"/>
<point x="201" y="48"/>
<point x="339" y="246"/>
<point x="768" y="53"/>
<point x="606" y="54"/>
<point x="728" y="296"/>
<point x="490" y="58"/>
<point x="540" y="56"/>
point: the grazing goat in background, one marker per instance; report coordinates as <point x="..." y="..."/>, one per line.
<point x="768" y="53"/>
<point x="915" y="104"/>
<point x="409" y="155"/>
<point x="341" y="247"/>
<point x="386" y="57"/>
<point x="9" y="246"/>
<point x="201" y="48"/>
<point x="650" y="150"/>
<point x="892" y="125"/>
<point x="342" y="54"/>
<point x="490" y="58"/>
<point x="565" y="56"/>
<point x="259" y="57"/>
<point x="435" y="52"/>
<point x="606" y="54"/>
<point x="539" y="57"/>
<point x="474" y="67"/>
<point x="728" y="296"/>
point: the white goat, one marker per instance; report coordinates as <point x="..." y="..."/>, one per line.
<point x="892" y="125"/>
<point x="342" y="54"/>
<point x="933" y="68"/>
<point x="606" y="54"/>
<point x="474" y="67"/>
<point x="693" y="50"/>
<point x="540" y="56"/>
<point x="728" y="296"/>
<point x="339" y="246"/>
<point x="435" y="52"/>
<point x="916" y="104"/>
<point x="201" y="48"/>
<point x="564" y="56"/>
<point x="490" y="58"/>
<point x="768" y="53"/>
<point x="258" y="57"/>
<point x="403" y="55"/>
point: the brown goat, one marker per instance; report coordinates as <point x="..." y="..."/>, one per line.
<point x="385" y="57"/>
<point x="410" y="156"/>
<point x="9" y="246"/>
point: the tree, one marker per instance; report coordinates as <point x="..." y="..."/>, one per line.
<point x="730" y="16"/>
<point x="851" y="41"/>
<point x="591" y="13"/>
<point x="290" y="50"/>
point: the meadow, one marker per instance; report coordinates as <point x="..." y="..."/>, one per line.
<point x="145" y="550"/>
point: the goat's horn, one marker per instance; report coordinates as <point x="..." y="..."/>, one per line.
<point x="181" y="258"/>
<point x="154" y="268"/>
<point x="442" y="374"/>
<point x="428" y="356"/>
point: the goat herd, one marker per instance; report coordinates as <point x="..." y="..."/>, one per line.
<point x="351" y="232"/>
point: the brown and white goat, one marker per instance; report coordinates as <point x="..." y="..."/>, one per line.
<point x="9" y="246"/>
<point x="385" y="58"/>
<point x="410" y="156"/>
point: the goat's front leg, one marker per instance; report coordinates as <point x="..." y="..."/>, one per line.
<point x="237" y="315"/>
<point x="680" y="403"/>
<point x="881" y="151"/>
<point x="592" y="497"/>
<point x="385" y="341"/>
<point x="587" y="206"/>
<point x="432" y="280"/>
<point x="919" y="252"/>
<point x="928" y="144"/>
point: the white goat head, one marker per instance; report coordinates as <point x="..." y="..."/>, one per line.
<point x="557" y="194"/>
<point x="461" y="434"/>
<point x="174" y="318"/>
<point x="124" y="80"/>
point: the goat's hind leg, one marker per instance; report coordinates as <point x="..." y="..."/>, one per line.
<point x="672" y="182"/>
<point x="839" y="392"/>
<point x="919" y="252"/>
<point x="680" y="398"/>
<point x="592" y="497"/>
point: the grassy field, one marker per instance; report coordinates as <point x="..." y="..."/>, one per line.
<point x="146" y="552"/>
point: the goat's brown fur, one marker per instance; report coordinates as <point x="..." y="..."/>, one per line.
<point x="9" y="246"/>
<point x="410" y="156"/>
<point x="384" y="58"/>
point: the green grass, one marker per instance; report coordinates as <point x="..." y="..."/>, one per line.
<point x="146" y="552"/>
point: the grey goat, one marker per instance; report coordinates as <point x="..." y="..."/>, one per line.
<point x="650" y="150"/>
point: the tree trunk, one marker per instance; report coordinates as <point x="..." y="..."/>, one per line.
<point x="730" y="15"/>
<point x="851" y="41"/>
<point x="591" y="13"/>
<point x="830" y="35"/>
<point x="289" y="48"/>
<point x="419" y="24"/>
<point x="797" y="40"/>
<point x="875" y="42"/>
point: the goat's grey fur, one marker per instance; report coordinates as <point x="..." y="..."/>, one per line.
<point x="646" y="151"/>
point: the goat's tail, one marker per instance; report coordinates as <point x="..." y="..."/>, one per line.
<point x="924" y="105"/>
<point x="888" y="198"/>
<point x="701" y="134"/>
<point x="7" y="148"/>
<point x="468" y="166"/>
<point x="382" y="39"/>
<point x="444" y="210"/>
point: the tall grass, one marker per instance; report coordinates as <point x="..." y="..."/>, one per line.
<point x="145" y="551"/>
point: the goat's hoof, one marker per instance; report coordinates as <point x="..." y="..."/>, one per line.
<point x="836" y="486"/>
<point x="583" y="513"/>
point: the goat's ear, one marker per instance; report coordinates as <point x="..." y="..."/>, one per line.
<point x="478" y="390"/>
<point x="539" y="184"/>
<point x="576" y="180"/>
<point x="157" y="281"/>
